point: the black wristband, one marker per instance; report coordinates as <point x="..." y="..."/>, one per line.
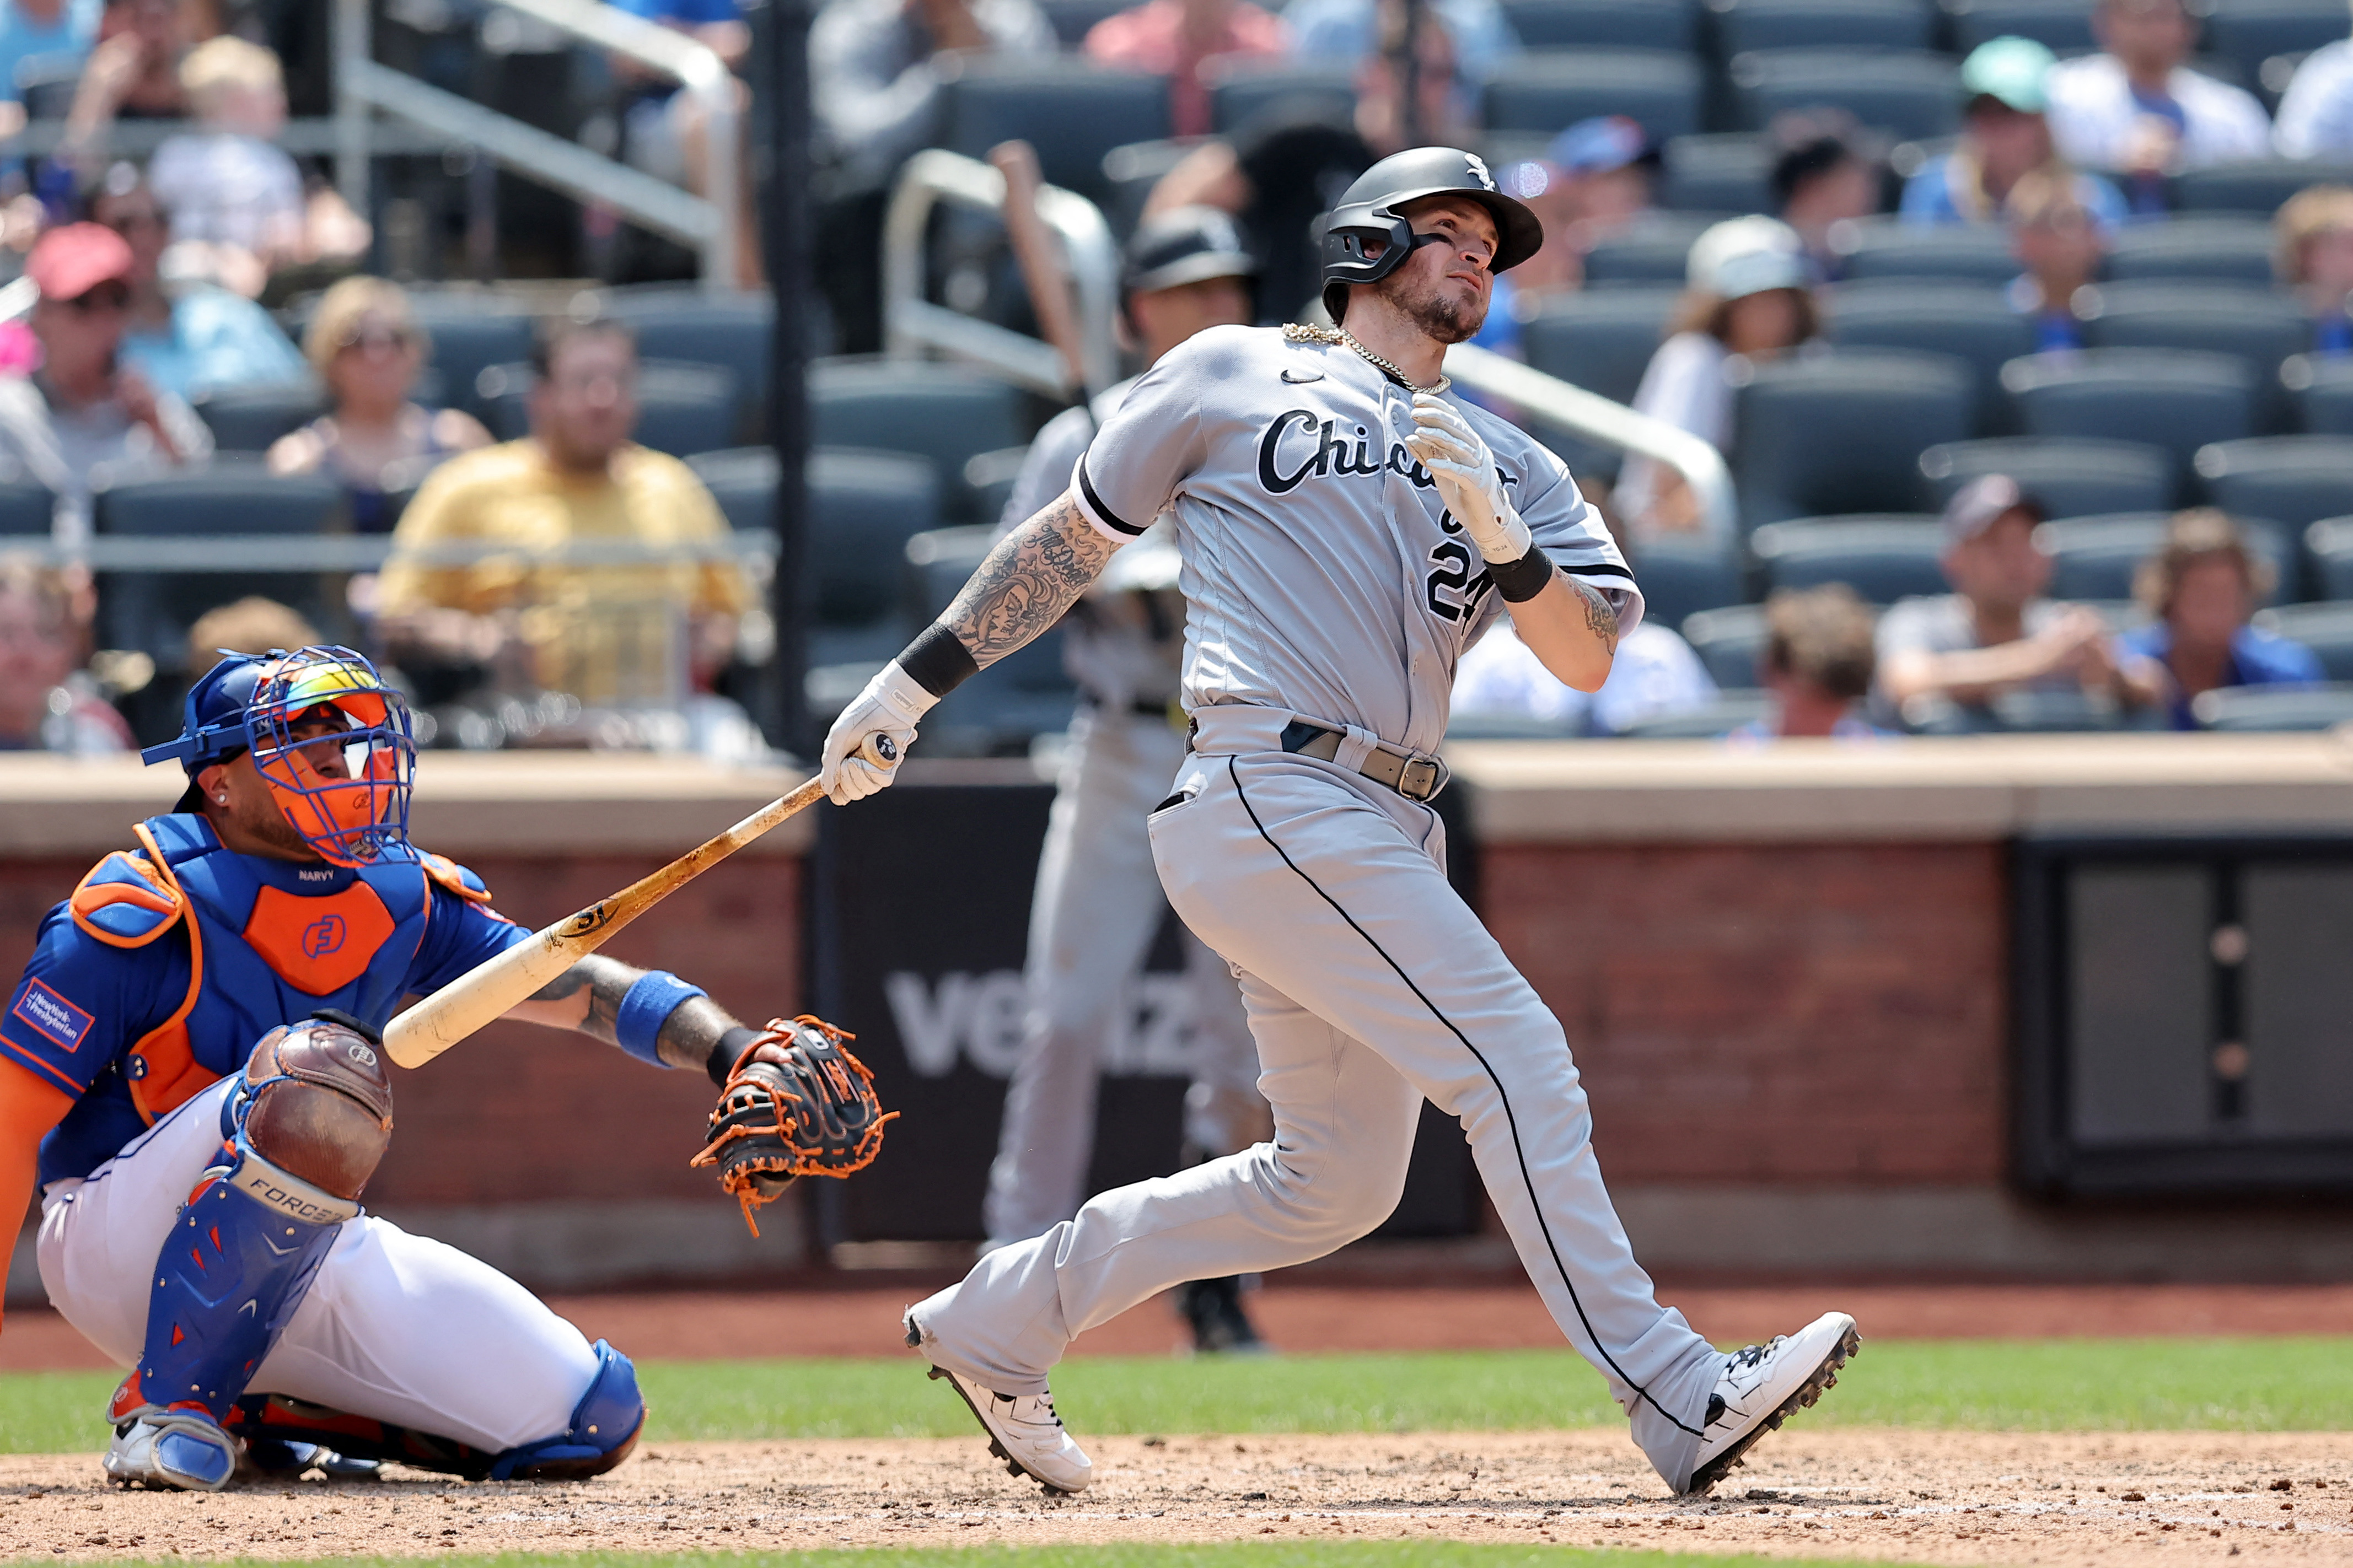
<point x="1522" y="580"/>
<point x="938" y="662"/>
<point x="728" y="1052"/>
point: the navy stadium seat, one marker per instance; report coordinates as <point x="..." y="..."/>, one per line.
<point x="1818" y="436"/>
<point x="1729" y="711"/>
<point x="1604" y="23"/>
<point x="1601" y="339"/>
<point x="2095" y="557"/>
<point x="1882" y="558"/>
<point x="2071" y="478"/>
<point x="1910" y="93"/>
<point x="470" y="334"/>
<point x="2260" y="187"/>
<point x="1653" y="249"/>
<point x="1071" y="112"/>
<point x="27" y="509"/>
<point x="1727" y="641"/>
<point x="1024" y="694"/>
<point x="1547" y="92"/>
<point x="249" y="418"/>
<point x="2222" y="248"/>
<point x="735" y="331"/>
<point x="1681" y="577"/>
<point x="1742" y="25"/>
<point x="2274" y="710"/>
<point x="682" y="408"/>
<point x="1887" y="247"/>
<point x="943" y="413"/>
<point x="2260" y="329"/>
<point x="1972" y="322"/>
<point x="1240" y="89"/>
<point x="742" y="481"/>
<point x="2249" y="32"/>
<point x="2322" y="389"/>
<point x="2295" y="481"/>
<point x="2063" y="25"/>
<point x="2328" y="558"/>
<point x="2326" y="630"/>
<point x="1073" y="19"/>
<point x="863" y="507"/>
<point x="1728" y="172"/>
<point x="2173" y="398"/>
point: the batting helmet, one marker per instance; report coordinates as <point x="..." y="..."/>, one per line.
<point x="1368" y="213"/>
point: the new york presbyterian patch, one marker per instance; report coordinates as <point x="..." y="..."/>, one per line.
<point x="50" y="1016"/>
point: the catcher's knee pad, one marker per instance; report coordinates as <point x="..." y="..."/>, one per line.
<point x="605" y="1427"/>
<point x="316" y="1102"/>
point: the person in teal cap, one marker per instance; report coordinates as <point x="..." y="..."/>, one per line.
<point x="2004" y="135"/>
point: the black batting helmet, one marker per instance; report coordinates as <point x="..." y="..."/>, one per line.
<point x="1368" y="211"/>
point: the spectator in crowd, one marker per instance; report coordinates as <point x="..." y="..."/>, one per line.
<point x="198" y="336"/>
<point x="2202" y="586"/>
<point x="1996" y="632"/>
<point x="250" y="625"/>
<point x="1594" y="179"/>
<point x="1817" y="661"/>
<point x="2137" y="110"/>
<point x="1182" y="40"/>
<point x="47" y="703"/>
<point x="2005" y="136"/>
<point x="2313" y="231"/>
<point x="1825" y="173"/>
<point x="1333" y="32"/>
<point x="2316" y="113"/>
<point x="1746" y="293"/>
<point x="83" y="409"/>
<point x="595" y="631"/>
<point x="2059" y="242"/>
<point x="134" y="71"/>
<point x="875" y="70"/>
<point x="365" y="344"/>
<point x="39" y="38"/>
<point x="1654" y="676"/>
<point x="666" y="131"/>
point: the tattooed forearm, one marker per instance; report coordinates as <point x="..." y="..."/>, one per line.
<point x="1036" y="573"/>
<point x="1599" y="618"/>
<point x="686" y="1037"/>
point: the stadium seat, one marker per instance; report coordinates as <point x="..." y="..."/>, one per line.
<point x="1240" y="89"/>
<point x="742" y="481"/>
<point x="1728" y="641"/>
<point x="1681" y="577"/>
<point x="1971" y="322"/>
<point x="863" y="507"/>
<point x="1885" y="248"/>
<point x="1742" y="25"/>
<point x="2249" y="32"/>
<point x="27" y="509"/>
<point x="2173" y="398"/>
<point x="2064" y="25"/>
<point x="2295" y="481"/>
<point x="1910" y="93"/>
<point x="1729" y="711"/>
<point x="1071" y="112"/>
<point x="2224" y="249"/>
<point x="2071" y="477"/>
<point x="1730" y="173"/>
<point x="2095" y="557"/>
<point x="1653" y="249"/>
<point x="1546" y="91"/>
<point x="236" y="494"/>
<point x="249" y="418"/>
<point x="1474" y="726"/>
<point x="2260" y="186"/>
<point x="990" y="476"/>
<point x="1842" y="432"/>
<point x="2321" y="391"/>
<point x="2328" y="558"/>
<point x="1604" y="23"/>
<point x="940" y="412"/>
<point x="682" y="408"/>
<point x="1882" y="558"/>
<point x="470" y="334"/>
<point x="2276" y="710"/>
<point x="1024" y="694"/>
<point x="733" y="331"/>
<point x="1601" y="339"/>
<point x="2260" y="329"/>
<point x="1073" y="19"/>
<point x="2326" y="630"/>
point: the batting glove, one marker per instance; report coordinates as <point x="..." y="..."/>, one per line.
<point x="1465" y="472"/>
<point x="889" y="706"/>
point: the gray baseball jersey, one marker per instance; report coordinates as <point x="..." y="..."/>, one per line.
<point x="1322" y="571"/>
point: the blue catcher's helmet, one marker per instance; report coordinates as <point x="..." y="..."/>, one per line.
<point x="328" y="736"/>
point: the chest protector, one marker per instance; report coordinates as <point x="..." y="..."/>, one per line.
<point x="269" y="942"/>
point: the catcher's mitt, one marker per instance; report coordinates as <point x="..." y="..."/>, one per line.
<point x="797" y="1104"/>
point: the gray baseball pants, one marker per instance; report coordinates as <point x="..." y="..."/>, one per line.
<point x="1369" y="986"/>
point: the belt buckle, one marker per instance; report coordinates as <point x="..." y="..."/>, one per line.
<point x="1417" y="780"/>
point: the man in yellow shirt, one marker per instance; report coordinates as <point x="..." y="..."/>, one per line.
<point x="611" y="632"/>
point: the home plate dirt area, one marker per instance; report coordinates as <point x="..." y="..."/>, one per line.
<point x="1940" y="1496"/>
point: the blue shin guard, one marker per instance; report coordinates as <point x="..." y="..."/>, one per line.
<point x="605" y="1427"/>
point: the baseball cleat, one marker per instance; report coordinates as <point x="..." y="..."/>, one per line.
<point x="1023" y="1430"/>
<point x="1763" y="1385"/>
<point x="289" y="1459"/>
<point x="1221" y="1326"/>
<point x="171" y="1450"/>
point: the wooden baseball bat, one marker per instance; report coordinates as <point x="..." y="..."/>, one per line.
<point x="488" y="989"/>
<point x="1040" y="259"/>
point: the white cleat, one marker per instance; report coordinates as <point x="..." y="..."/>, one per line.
<point x="1763" y="1385"/>
<point x="171" y="1450"/>
<point x="1023" y="1431"/>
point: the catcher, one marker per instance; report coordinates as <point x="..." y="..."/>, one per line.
<point x="189" y="1077"/>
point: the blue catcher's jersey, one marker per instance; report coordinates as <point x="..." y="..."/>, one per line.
<point x="169" y="963"/>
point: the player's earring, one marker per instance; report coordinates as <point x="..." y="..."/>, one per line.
<point x="221" y="800"/>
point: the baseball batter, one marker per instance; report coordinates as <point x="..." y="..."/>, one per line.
<point x="1098" y="899"/>
<point x="1347" y="528"/>
<point x="189" y="1077"/>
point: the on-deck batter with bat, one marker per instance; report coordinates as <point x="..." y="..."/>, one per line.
<point x="197" y="1034"/>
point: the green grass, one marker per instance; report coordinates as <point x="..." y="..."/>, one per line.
<point x="2267" y="1384"/>
<point x="1132" y="1554"/>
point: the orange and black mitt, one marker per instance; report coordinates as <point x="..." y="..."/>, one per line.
<point x="797" y="1104"/>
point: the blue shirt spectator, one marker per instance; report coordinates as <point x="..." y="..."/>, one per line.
<point x="2005" y="136"/>
<point x="203" y="338"/>
<point x="2254" y="658"/>
<point x="42" y="35"/>
<point x="2059" y="242"/>
<point x="2313" y="234"/>
<point x="2201" y="586"/>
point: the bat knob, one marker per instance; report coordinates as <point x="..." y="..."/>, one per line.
<point x="885" y="750"/>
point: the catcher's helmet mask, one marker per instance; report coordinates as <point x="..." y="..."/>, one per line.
<point x="1370" y="213"/>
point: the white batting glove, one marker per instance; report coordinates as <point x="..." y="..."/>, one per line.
<point x="886" y="711"/>
<point x="1465" y="472"/>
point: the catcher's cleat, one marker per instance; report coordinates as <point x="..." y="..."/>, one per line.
<point x="278" y="1458"/>
<point x="1023" y="1430"/>
<point x="1763" y="1385"/>
<point x="1220" y="1325"/>
<point x="171" y="1450"/>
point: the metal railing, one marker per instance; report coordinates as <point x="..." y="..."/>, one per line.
<point x="1590" y="416"/>
<point x="708" y="224"/>
<point x="912" y="324"/>
<point x="282" y="552"/>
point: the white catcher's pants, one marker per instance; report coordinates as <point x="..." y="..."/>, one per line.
<point x="1097" y="906"/>
<point x="394" y="1326"/>
<point x="1369" y="984"/>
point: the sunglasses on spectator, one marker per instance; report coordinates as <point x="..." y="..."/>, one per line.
<point x="377" y="340"/>
<point x="104" y="296"/>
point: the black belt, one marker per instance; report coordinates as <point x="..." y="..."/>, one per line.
<point x="1142" y="707"/>
<point x="1416" y="778"/>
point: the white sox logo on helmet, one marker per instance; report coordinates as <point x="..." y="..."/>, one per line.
<point x="1479" y="171"/>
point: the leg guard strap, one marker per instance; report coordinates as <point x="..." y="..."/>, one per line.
<point x="605" y="1427"/>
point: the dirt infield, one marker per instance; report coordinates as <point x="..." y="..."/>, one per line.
<point x="1954" y="1498"/>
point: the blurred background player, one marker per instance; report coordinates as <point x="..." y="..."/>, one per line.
<point x="195" y="1036"/>
<point x="1099" y="901"/>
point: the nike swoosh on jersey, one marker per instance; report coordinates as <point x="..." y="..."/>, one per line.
<point x="1301" y="378"/>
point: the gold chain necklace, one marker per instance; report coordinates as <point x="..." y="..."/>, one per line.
<point x="1296" y="333"/>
